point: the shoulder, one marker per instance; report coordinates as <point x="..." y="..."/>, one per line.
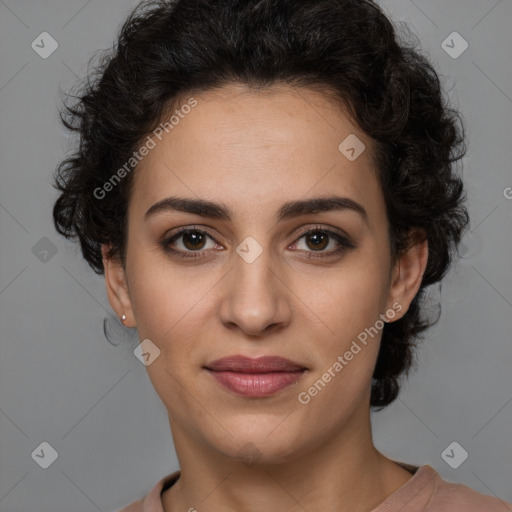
<point x="153" y="499"/>
<point x="427" y="491"/>
<point x="454" y="497"/>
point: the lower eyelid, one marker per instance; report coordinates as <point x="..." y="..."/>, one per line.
<point x="172" y="240"/>
<point x="343" y="245"/>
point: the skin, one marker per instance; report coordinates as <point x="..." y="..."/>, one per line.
<point x="253" y="151"/>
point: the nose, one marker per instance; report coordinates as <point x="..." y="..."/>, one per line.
<point x="256" y="297"/>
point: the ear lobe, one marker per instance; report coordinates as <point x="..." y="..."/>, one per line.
<point x="409" y="270"/>
<point x="117" y="289"/>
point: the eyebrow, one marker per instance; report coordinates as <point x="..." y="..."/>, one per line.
<point x="288" y="210"/>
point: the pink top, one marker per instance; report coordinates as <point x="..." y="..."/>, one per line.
<point x="426" y="491"/>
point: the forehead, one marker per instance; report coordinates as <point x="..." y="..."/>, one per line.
<point x="258" y="147"/>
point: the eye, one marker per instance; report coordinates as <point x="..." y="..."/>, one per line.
<point x="192" y="240"/>
<point x="317" y="239"/>
<point x="192" y="243"/>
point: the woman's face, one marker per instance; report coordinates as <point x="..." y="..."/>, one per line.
<point x="253" y="284"/>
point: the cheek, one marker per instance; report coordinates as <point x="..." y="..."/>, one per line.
<point x="168" y="303"/>
<point x="347" y="339"/>
<point x="155" y="293"/>
<point x="346" y="299"/>
<point x="166" y="306"/>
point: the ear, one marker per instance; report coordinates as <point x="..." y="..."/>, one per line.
<point x="117" y="288"/>
<point x="408" y="272"/>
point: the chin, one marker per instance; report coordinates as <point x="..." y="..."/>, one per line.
<point x="260" y="442"/>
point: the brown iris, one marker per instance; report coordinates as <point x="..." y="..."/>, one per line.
<point x="321" y="240"/>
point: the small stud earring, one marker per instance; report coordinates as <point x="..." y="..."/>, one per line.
<point x="123" y="318"/>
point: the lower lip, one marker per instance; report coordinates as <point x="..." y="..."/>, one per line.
<point x="256" y="384"/>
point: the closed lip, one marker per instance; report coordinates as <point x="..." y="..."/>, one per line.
<point x="264" y="364"/>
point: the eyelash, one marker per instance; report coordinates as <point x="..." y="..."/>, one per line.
<point x="344" y="243"/>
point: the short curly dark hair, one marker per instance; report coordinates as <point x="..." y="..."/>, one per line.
<point x="347" y="48"/>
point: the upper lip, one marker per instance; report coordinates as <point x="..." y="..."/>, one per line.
<point x="263" y="364"/>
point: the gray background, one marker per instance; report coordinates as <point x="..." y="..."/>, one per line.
<point x="62" y="382"/>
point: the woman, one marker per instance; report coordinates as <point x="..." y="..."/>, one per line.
<point x="268" y="188"/>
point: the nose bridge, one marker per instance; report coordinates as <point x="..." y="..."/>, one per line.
<point x="255" y="297"/>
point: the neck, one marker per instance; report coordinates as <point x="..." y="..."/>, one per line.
<point x="345" y="473"/>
